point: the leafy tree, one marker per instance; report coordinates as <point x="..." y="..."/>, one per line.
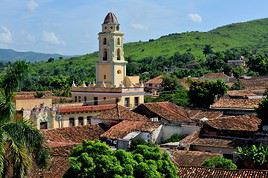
<point x="170" y="82"/>
<point x="238" y="72"/>
<point x="262" y="109"/>
<point x="237" y="85"/>
<point x="208" y="49"/>
<point x="258" y="63"/>
<point x="219" y="162"/>
<point x="203" y="93"/>
<point x="19" y="141"/>
<point x="214" y="62"/>
<point x="256" y="154"/>
<point x="174" y="138"/>
<point x="98" y="160"/>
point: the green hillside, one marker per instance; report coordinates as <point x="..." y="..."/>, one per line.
<point x="252" y="35"/>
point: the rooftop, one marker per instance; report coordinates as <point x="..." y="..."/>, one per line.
<point x="167" y="111"/>
<point x="219" y="75"/>
<point x="240" y="93"/>
<point x="191" y="158"/>
<point x="156" y="80"/>
<point x="215" y="142"/>
<point x="229" y="103"/>
<point x="255" y="83"/>
<point x="236" y="123"/>
<point x="110" y="19"/>
<point x="119" y="131"/>
<point x="32" y="95"/>
<point x="197" y="172"/>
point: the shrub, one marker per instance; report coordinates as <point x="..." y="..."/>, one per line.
<point x="219" y="162"/>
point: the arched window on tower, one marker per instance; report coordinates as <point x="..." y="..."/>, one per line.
<point x="104" y="41"/>
<point x="118" y="54"/>
<point x="105" y="55"/>
<point x="118" y="41"/>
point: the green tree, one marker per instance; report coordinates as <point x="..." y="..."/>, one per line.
<point x="208" y="49"/>
<point x="262" y="109"/>
<point x="219" y="162"/>
<point x="255" y="154"/>
<point x="237" y="85"/>
<point x="20" y="142"/>
<point x="170" y="82"/>
<point x="98" y="160"/>
<point x="203" y="93"/>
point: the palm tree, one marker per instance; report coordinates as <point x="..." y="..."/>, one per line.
<point x="20" y="142"/>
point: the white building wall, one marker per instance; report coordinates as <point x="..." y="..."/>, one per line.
<point x="169" y="130"/>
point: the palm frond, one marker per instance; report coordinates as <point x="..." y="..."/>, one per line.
<point x="2" y="151"/>
<point x="24" y="133"/>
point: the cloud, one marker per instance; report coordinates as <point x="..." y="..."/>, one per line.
<point x="5" y="35"/>
<point x="139" y="27"/>
<point x="195" y="17"/>
<point x="32" y="5"/>
<point x="51" y="38"/>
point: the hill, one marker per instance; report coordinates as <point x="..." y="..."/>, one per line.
<point x="252" y="35"/>
<point x="12" y="55"/>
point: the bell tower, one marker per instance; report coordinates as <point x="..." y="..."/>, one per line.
<point x="111" y="65"/>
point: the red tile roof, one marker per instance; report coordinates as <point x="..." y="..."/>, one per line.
<point x="92" y="108"/>
<point x="255" y="83"/>
<point x="219" y="75"/>
<point x="168" y="111"/>
<point x="197" y="114"/>
<point x="156" y="80"/>
<point x="125" y="127"/>
<point x="215" y="142"/>
<point x="198" y="172"/>
<point x="119" y="113"/>
<point x="191" y="158"/>
<point x="226" y="103"/>
<point x="240" y="93"/>
<point x="60" y="142"/>
<point x="71" y="135"/>
<point x="236" y="123"/>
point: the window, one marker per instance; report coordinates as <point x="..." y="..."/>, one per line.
<point x="85" y="99"/>
<point x="71" y="122"/>
<point x="154" y="119"/>
<point x="104" y="98"/>
<point x="43" y="125"/>
<point x="136" y="101"/>
<point x="119" y="71"/>
<point x="104" y="41"/>
<point x="89" y="120"/>
<point x="105" y="54"/>
<point x="150" y="85"/>
<point x="117" y="27"/>
<point x="80" y="121"/>
<point x="75" y="99"/>
<point x="127" y="102"/>
<point x="118" y="54"/>
<point x="79" y="99"/>
<point x="111" y="27"/>
<point x="118" y="41"/>
<point x="105" y="27"/>
<point x="104" y="77"/>
<point x="95" y="100"/>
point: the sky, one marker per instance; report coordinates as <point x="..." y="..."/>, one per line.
<point x="70" y="27"/>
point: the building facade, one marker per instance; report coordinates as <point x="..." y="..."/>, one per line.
<point x="112" y="84"/>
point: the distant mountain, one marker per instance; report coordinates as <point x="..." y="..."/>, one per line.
<point x="12" y="55"/>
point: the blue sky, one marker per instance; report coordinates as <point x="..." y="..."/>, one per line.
<point x="70" y="27"/>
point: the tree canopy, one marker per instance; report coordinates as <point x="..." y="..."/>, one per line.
<point x="97" y="160"/>
<point x="219" y="162"/>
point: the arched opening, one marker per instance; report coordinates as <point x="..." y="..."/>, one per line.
<point x="105" y="55"/>
<point x="104" y="41"/>
<point x="118" y="54"/>
<point x="118" y="41"/>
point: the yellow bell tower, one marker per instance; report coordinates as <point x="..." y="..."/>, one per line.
<point x="111" y="66"/>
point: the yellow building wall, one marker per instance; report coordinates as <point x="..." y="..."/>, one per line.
<point x="119" y="74"/>
<point x="29" y="104"/>
<point x="104" y="69"/>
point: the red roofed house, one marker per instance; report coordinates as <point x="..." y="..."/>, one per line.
<point x="216" y="76"/>
<point x="123" y="133"/>
<point x="154" y="85"/>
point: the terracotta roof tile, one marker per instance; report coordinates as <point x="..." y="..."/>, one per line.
<point x="227" y="103"/>
<point x="215" y="75"/>
<point x="191" y="158"/>
<point x="215" y="142"/>
<point x="255" y="83"/>
<point x="119" y="113"/>
<point x="198" y="172"/>
<point x="31" y="95"/>
<point x="71" y="135"/>
<point x="197" y="114"/>
<point x="240" y="93"/>
<point x="236" y="123"/>
<point x="168" y="111"/>
<point x="156" y="80"/>
<point x="125" y="127"/>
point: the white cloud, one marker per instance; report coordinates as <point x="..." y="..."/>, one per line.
<point x="139" y="26"/>
<point x="51" y="38"/>
<point x="32" y="5"/>
<point x="195" y="17"/>
<point x="5" y="35"/>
